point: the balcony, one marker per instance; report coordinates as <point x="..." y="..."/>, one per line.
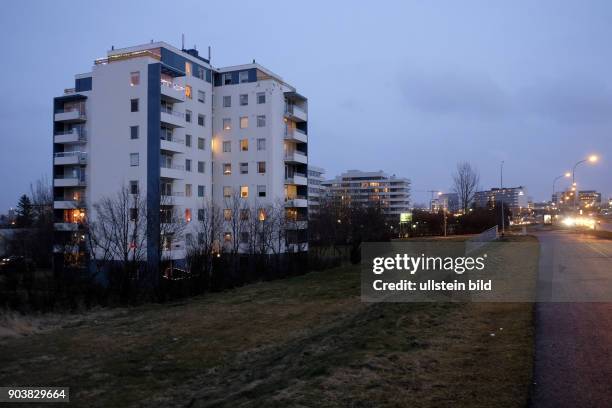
<point x="296" y="135"/>
<point x="70" y="136"/>
<point x="296" y="156"/>
<point x="172" y="171"/>
<point x="172" y="92"/>
<point x="295" y="113"/>
<point x="172" y="144"/>
<point x="173" y="198"/>
<point x="172" y="118"/>
<point x="77" y="180"/>
<point x="296" y="224"/>
<point x="66" y="226"/>
<point x="297" y="179"/>
<point x="61" y="203"/>
<point x="69" y="158"/>
<point x="296" y="201"/>
<point x="70" y="116"/>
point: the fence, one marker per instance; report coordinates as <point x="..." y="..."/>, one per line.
<point x="481" y="240"/>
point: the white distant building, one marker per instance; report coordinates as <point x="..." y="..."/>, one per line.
<point x="356" y="187"/>
<point x="514" y="197"/>
<point x="181" y="133"/>
<point x="316" y="189"/>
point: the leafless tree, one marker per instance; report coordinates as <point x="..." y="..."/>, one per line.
<point x="465" y="183"/>
<point x="234" y="222"/>
<point x="171" y="228"/>
<point x="206" y="244"/>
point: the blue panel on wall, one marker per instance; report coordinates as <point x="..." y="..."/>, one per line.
<point x="83" y="84"/>
<point x="153" y="169"/>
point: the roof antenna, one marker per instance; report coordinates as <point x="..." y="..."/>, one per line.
<point x="209" y="53"/>
<point x="182" y="41"/>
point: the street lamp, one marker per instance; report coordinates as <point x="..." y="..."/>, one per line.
<point x="591" y="159"/>
<point x="501" y="185"/>
<point x="567" y="175"/>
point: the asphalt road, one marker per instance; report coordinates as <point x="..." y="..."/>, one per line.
<point x="573" y="352"/>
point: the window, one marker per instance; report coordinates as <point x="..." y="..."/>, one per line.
<point x="188" y="214"/>
<point x="261" y="191"/>
<point x="134" y="105"/>
<point x="187" y="164"/>
<point x="133" y="214"/>
<point x="261" y="97"/>
<point x="261" y="120"/>
<point x="201" y="120"/>
<point x="187" y="190"/>
<point x="227" y="191"/>
<point x="226" y="79"/>
<point x="244" y="237"/>
<point x="261" y="144"/>
<point x="244" y="122"/>
<point x="244" y="214"/>
<point x="244" y="100"/>
<point x="188" y="68"/>
<point x="134" y="78"/>
<point x="133" y="159"/>
<point x="244" y="191"/>
<point x="227" y="146"/>
<point x="244" y="76"/>
<point x="200" y="167"/>
<point x="201" y="96"/>
<point x="261" y="214"/>
<point x="227" y="237"/>
<point x="244" y="145"/>
<point x="201" y="191"/>
<point x="134" y="187"/>
<point x="201" y="143"/>
<point x="188" y="93"/>
<point x="133" y="132"/>
<point x="200" y="214"/>
<point x="227" y="169"/>
<point x="244" y="168"/>
<point x="188" y="140"/>
<point x="261" y="167"/>
<point x="227" y="124"/>
<point x="227" y="214"/>
<point x="227" y="101"/>
<point x="188" y="116"/>
<point x="189" y="239"/>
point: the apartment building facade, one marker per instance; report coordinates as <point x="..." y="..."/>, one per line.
<point x="514" y="197"/>
<point x="316" y="189"/>
<point x="356" y="187"/>
<point x="179" y="134"/>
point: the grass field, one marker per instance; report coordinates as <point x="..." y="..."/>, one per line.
<point x="305" y="341"/>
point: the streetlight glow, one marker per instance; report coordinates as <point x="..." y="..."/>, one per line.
<point x="593" y="158"/>
<point x="568" y="174"/>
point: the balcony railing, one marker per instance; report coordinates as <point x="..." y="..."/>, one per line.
<point x="172" y="112"/>
<point x="80" y="133"/>
<point x="172" y="85"/>
<point x="172" y="166"/>
<point x="80" y="155"/>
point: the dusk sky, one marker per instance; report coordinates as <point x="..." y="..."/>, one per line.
<point x="407" y="87"/>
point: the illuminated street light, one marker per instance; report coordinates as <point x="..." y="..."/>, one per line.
<point x="567" y="175"/>
<point x="591" y="159"/>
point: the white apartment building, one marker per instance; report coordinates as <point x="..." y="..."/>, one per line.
<point x="180" y="133"/>
<point x="316" y="189"/>
<point x="356" y="187"/>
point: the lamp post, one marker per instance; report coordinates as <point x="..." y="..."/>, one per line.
<point x="501" y="185"/>
<point x="591" y="159"/>
<point x="567" y="175"/>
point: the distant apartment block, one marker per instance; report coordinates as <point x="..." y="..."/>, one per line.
<point x="356" y="187"/>
<point x="589" y="199"/>
<point x="316" y="189"/>
<point x="180" y="133"/>
<point x="513" y="197"/>
<point x="446" y="202"/>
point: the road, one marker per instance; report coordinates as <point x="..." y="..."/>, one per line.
<point x="573" y="352"/>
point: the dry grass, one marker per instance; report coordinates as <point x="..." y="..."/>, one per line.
<point x="304" y="341"/>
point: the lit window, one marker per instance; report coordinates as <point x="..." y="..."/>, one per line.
<point x="201" y="143"/>
<point x="188" y="92"/>
<point x="261" y="191"/>
<point x="134" y="159"/>
<point x="261" y="214"/>
<point x="227" y="237"/>
<point x="227" y="191"/>
<point x="244" y="122"/>
<point x="244" y="168"/>
<point x="244" y="191"/>
<point x="188" y="68"/>
<point x="244" y="76"/>
<point x="261" y="167"/>
<point x="134" y="78"/>
<point x="188" y="214"/>
<point x="261" y="144"/>
<point x="227" y="124"/>
<point x="227" y="169"/>
<point x="261" y="120"/>
<point x="227" y="214"/>
<point x="244" y="145"/>
<point x="244" y="100"/>
<point x="227" y="101"/>
<point x="227" y="146"/>
<point x="261" y="97"/>
<point x="202" y="96"/>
